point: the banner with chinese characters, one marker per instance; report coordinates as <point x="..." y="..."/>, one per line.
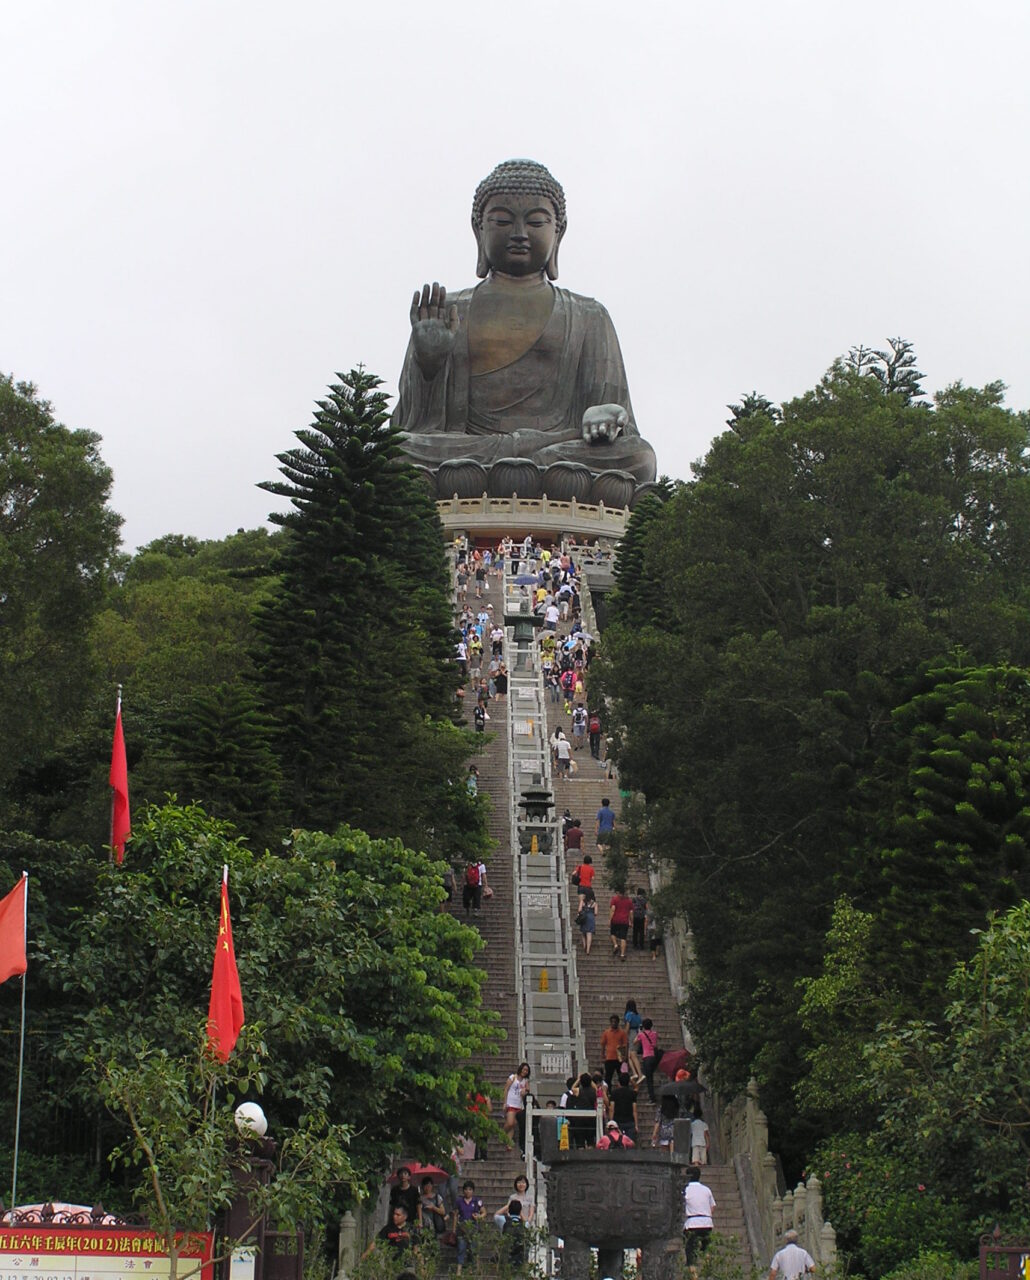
<point x="48" y="1252"/>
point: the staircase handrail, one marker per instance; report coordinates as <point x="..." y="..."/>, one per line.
<point x="742" y="1138"/>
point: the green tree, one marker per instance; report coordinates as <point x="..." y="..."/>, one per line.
<point x="366" y="993"/>
<point x="838" y="1009"/>
<point x="355" y="647"/>
<point x="895" y="370"/>
<point x="958" y="1084"/>
<point x="221" y="756"/>
<point x="819" y="557"/>
<point x="629" y="561"/>
<point x="176" y="623"/>
<point x="57" y="539"/>
<point x="888" y="1209"/>
<point x="182" y="1140"/>
<point x="180" y="616"/>
<point x="946" y="811"/>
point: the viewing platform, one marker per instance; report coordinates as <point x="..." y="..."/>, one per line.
<point x="543" y="517"/>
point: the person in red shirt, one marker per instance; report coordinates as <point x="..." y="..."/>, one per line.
<point x="614" y="1139"/>
<point x="585" y="873"/>
<point x="619" y="916"/>
<point x="574" y="837"/>
<point x="613" y="1038"/>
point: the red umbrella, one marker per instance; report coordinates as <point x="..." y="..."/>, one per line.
<point x="420" y="1171"/>
<point x="673" y="1061"/>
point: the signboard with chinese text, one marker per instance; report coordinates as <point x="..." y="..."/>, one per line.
<point x="556" y="1064"/>
<point x="51" y="1252"/>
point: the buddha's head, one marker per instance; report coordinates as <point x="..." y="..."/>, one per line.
<point x="518" y="217"/>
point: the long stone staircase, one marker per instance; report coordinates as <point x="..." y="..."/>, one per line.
<point x="495" y="1175"/>
<point x="602" y="984"/>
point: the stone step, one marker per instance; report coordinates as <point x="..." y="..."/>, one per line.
<point x="604" y="984"/>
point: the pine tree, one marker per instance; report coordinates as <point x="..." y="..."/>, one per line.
<point x="355" y="648"/>
<point x="949" y="822"/>
<point x="223" y="759"/>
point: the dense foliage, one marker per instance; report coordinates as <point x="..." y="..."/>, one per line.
<point x="355" y="653"/>
<point x="57" y="539"/>
<point x="362" y="996"/>
<point x="818" y="655"/>
<point x="174" y="624"/>
<point x="366" y="995"/>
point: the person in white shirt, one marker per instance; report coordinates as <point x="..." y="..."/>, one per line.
<point x="791" y="1261"/>
<point x="700" y="1140"/>
<point x="698" y="1203"/>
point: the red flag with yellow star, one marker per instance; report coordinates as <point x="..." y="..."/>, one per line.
<point x="225" y="1012"/>
<point x="121" y="825"/>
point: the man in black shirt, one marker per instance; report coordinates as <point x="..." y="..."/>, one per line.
<point x="396" y="1235"/>
<point x="405" y="1193"/>
<point x="624" y="1106"/>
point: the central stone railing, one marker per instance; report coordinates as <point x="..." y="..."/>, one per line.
<point x="551" y="1035"/>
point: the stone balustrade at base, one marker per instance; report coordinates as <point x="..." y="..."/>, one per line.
<point x="545" y="517"/>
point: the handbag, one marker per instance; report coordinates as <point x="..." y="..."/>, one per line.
<point x="450" y="1238"/>
<point x="575" y="877"/>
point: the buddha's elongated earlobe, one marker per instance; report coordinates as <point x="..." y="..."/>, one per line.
<point x="551" y="265"/>
<point x="482" y="265"/>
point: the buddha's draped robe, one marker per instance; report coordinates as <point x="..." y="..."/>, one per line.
<point x="532" y="408"/>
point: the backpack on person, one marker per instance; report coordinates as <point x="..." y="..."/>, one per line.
<point x="595" y="724"/>
<point x="472" y="875"/>
<point x="515" y="1232"/>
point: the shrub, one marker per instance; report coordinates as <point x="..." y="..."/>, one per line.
<point x="883" y="1213"/>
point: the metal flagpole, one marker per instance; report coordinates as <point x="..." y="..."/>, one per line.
<point x="21" y="1054"/>
<point x="117" y="713"/>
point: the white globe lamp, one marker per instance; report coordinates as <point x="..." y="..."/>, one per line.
<point x="250" y="1120"/>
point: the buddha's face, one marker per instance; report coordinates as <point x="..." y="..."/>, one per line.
<point x="519" y="233"/>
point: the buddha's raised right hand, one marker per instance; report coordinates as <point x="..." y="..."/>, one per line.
<point x="434" y="326"/>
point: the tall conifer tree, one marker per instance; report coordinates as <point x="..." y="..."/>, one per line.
<point x="354" y="651"/>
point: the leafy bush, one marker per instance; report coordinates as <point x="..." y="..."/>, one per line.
<point x="883" y="1213"/>
<point x="934" y="1265"/>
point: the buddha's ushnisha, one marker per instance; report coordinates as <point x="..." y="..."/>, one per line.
<point x="517" y="367"/>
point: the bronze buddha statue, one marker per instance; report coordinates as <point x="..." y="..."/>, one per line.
<point x="515" y="384"/>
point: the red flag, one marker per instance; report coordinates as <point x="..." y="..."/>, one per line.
<point x="225" y="1012"/>
<point x="119" y="779"/>
<point x="13" y="910"/>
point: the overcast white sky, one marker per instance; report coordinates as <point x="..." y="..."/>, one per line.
<point x="209" y="208"/>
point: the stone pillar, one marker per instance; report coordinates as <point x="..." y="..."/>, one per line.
<point x="688" y="960"/>
<point x="813" y="1216"/>
<point x="575" y="1260"/>
<point x="800" y="1209"/>
<point x="661" y="1259"/>
<point x="350" y="1246"/>
<point x="611" y="1264"/>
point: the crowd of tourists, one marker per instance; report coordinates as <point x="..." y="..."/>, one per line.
<point x="549" y="583"/>
<point x="446" y="1207"/>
